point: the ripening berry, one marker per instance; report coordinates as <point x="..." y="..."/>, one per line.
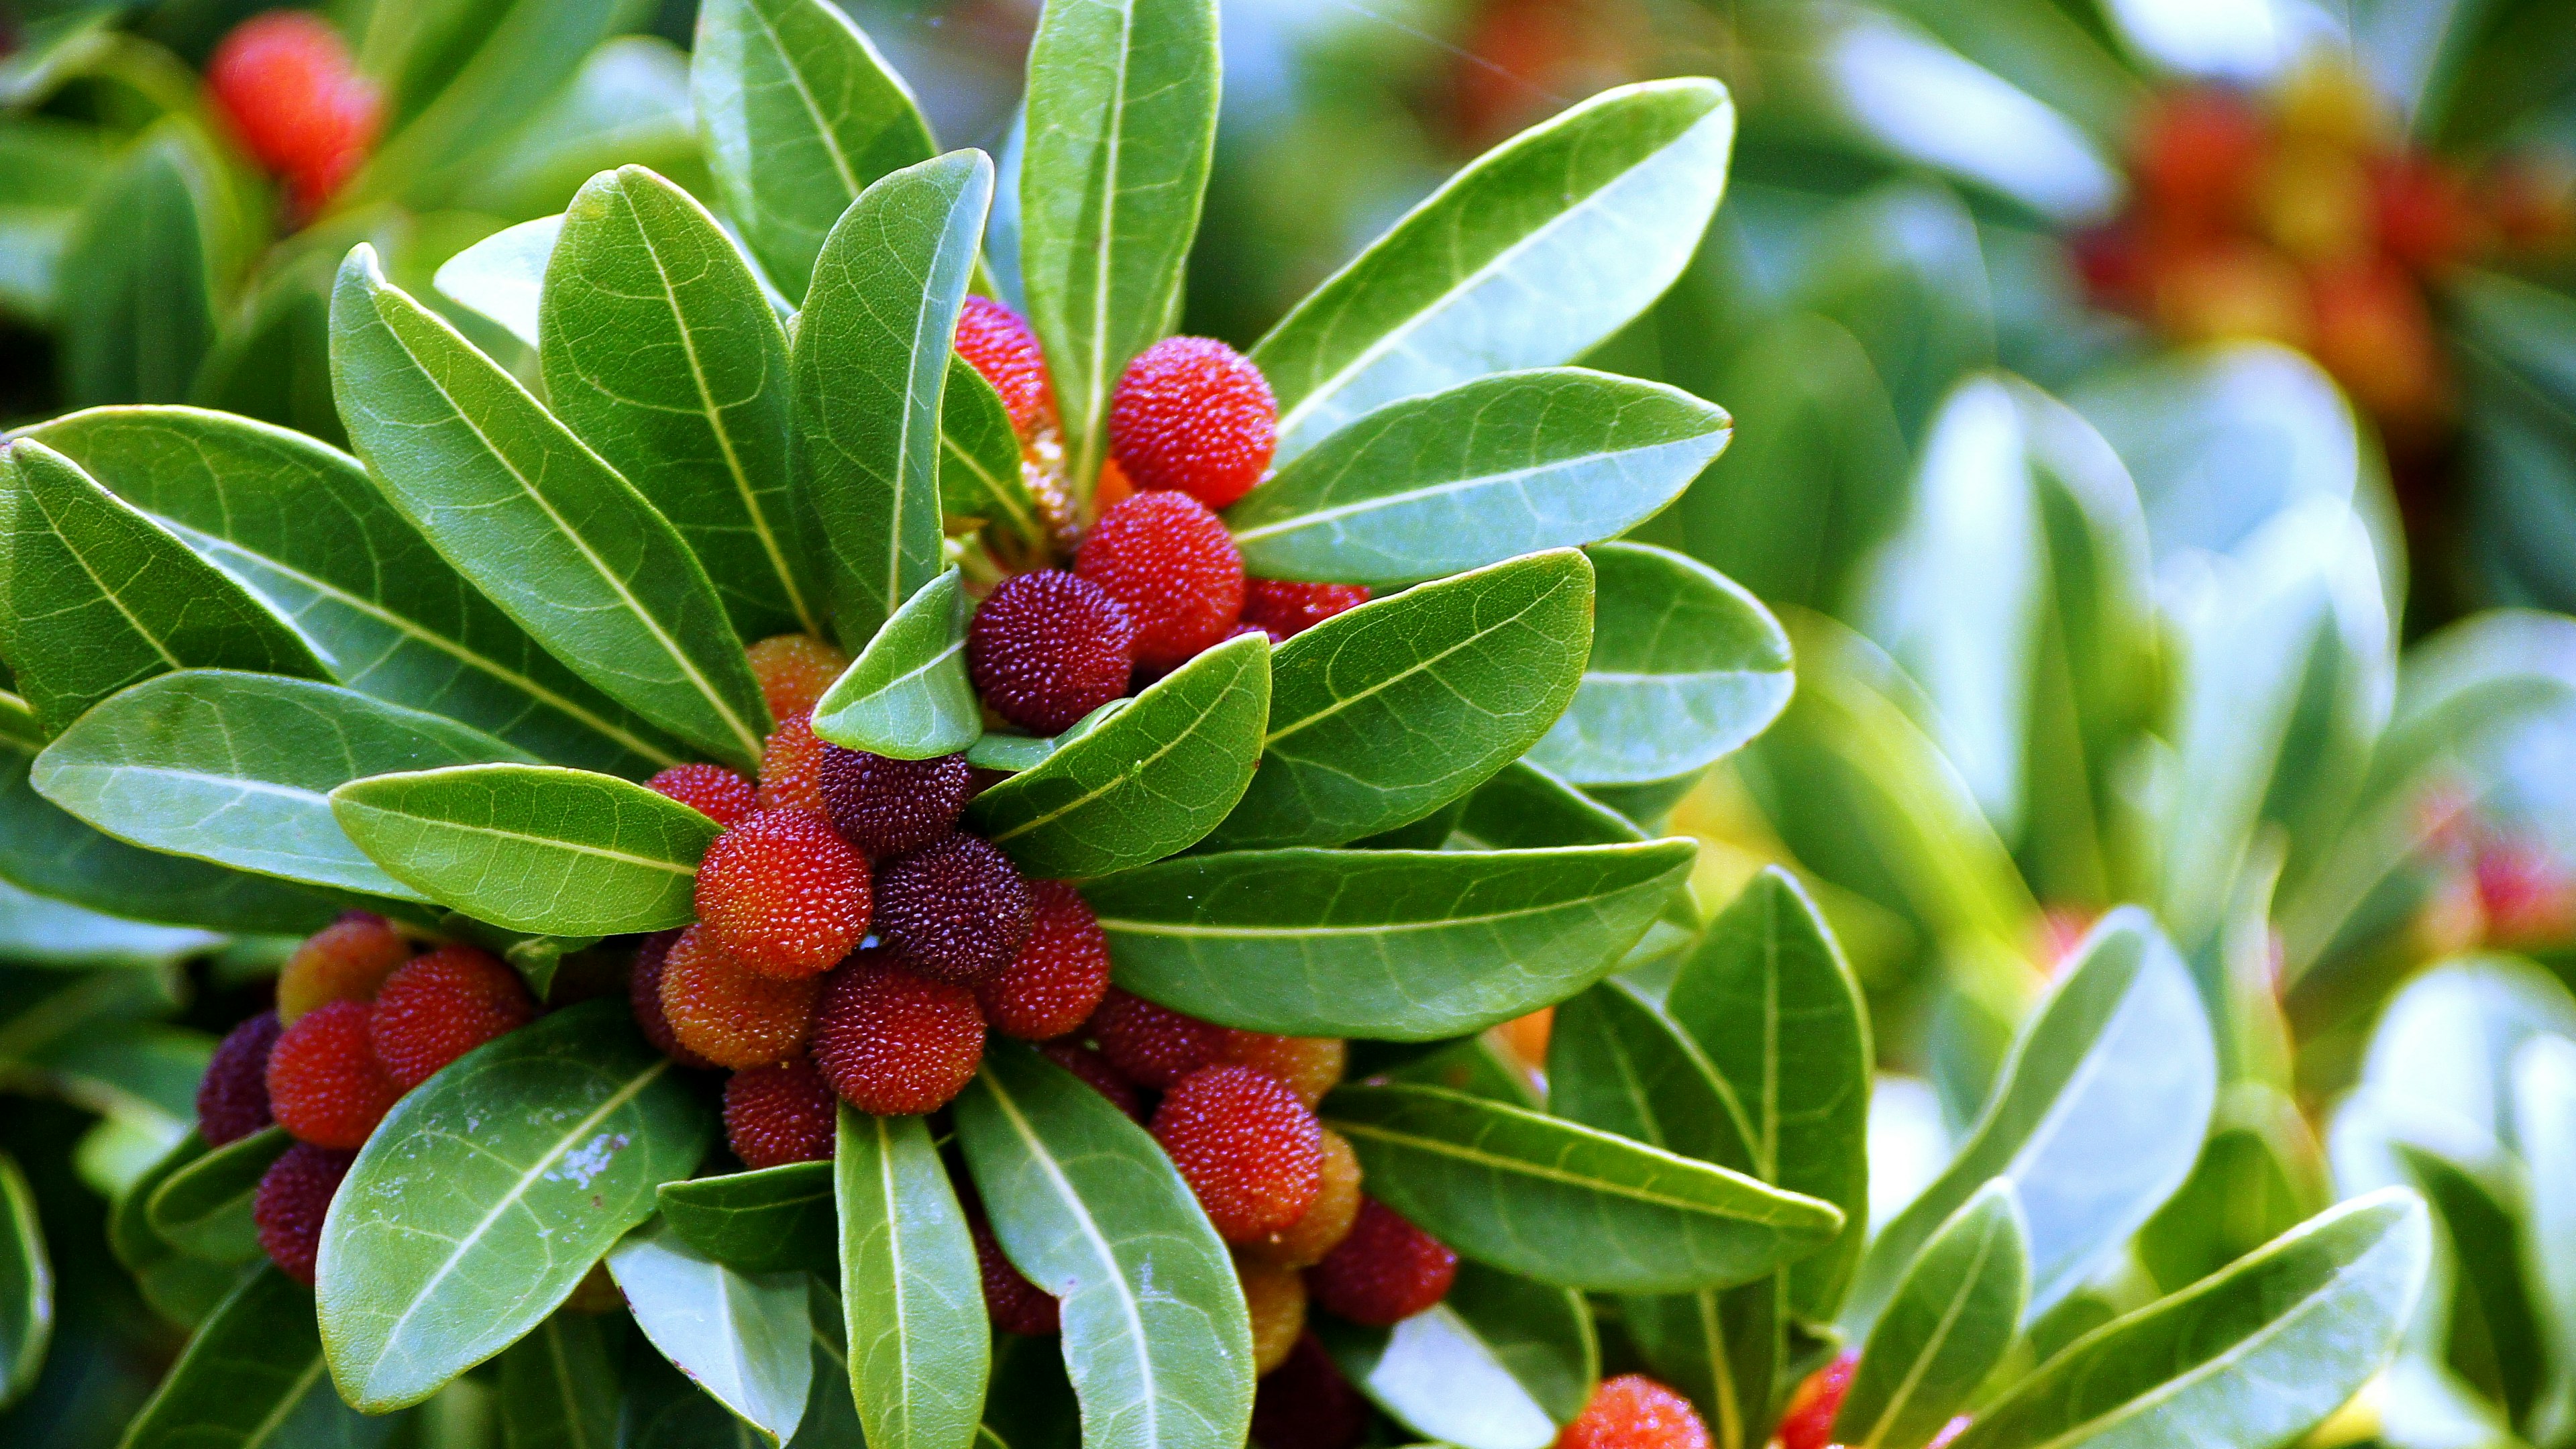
<point x="1153" y="1046"/>
<point x="294" y="1196"/>
<point x="1015" y="1304"/>
<point x="1310" y="1065"/>
<point x="956" y="908"/>
<point x="886" y="806"/>
<point x="997" y="342"/>
<point x="793" y="670"/>
<point x="1172" y="564"/>
<point x="442" y="1005"/>
<point x="1251" y="1151"/>
<point x="324" y="1082"/>
<point x="779" y="1114"/>
<point x="1047" y="648"/>
<point x="1284" y="610"/>
<point x="1634" y="1412"/>
<point x="791" y="765"/>
<point x="232" y="1097"/>
<point x="1321" y="1228"/>
<point x="723" y="796"/>
<point x="894" y="1042"/>
<point x="1276" y="1298"/>
<point x="1809" y="1421"/>
<point x="784" y="894"/>
<point x="1051" y="988"/>
<point x="644" y="998"/>
<point x="726" y="1012"/>
<point x="1194" y="414"/>
<point x="1098" y="1075"/>
<point x="346" y="960"/>
<point x="284" y="82"/>
<point x="1305" y="1403"/>
<point x="1385" y="1271"/>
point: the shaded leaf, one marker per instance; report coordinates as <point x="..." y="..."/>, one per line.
<point x="919" y="1346"/>
<point x="182" y="1289"/>
<point x="1471" y="1370"/>
<point x="745" y="1340"/>
<point x="141" y="260"/>
<point x="204" y="1208"/>
<point x="907" y="696"/>
<point x="253" y="1376"/>
<point x="2495" y="1338"/>
<point x="980" y="479"/>
<point x="1525" y="807"/>
<point x="770" y="1220"/>
<point x="40" y="931"/>
<point x="1953" y="1317"/>
<point x="458" y="128"/>
<point x="558" y="1386"/>
<point x="26" y="1286"/>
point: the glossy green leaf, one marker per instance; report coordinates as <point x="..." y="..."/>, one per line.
<point x="766" y="1221"/>
<point x="558" y="1386"/>
<point x="503" y="276"/>
<point x="1569" y="1204"/>
<point x="1954" y="1315"/>
<point x="2492" y="1331"/>
<point x="26" y="1286"/>
<point x="980" y="478"/>
<point x="533" y="847"/>
<point x="907" y="696"/>
<point x="1489" y="469"/>
<point x="40" y="931"/>
<point x="1543" y="247"/>
<point x="2544" y="1114"/>
<point x="800" y="115"/>
<point x="1498" y="1364"/>
<point x="489" y="1191"/>
<point x="535" y="520"/>
<point x="1152" y="779"/>
<point x="476" y="87"/>
<point x="1726" y="1348"/>
<point x="253" y="1377"/>
<point x="1524" y="807"/>
<point x="1399" y="945"/>
<point x="18" y="725"/>
<point x="1383" y="713"/>
<point x="745" y="1340"/>
<point x="919" y="1346"/>
<point x="1089" y="1209"/>
<point x="660" y="352"/>
<point x="141" y="260"/>
<point x="203" y="1208"/>
<point x="870" y="370"/>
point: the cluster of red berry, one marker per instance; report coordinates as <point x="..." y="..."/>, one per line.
<point x="284" y="83"/>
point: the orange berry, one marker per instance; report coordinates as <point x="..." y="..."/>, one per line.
<point x="791" y="767"/>
<point x="997" y="342"/>
<point x="1310" y="1065"/>
<point x="784" y="894"/>
<point x="442" y="1005"/>
<point x="346" y="960"/>
<point x="728" y="1013"/>
<point x="793" y="670"/>
<point x="284" y="82"/>
<point x="723" y="796"/>
<point x="1809" y="1422"/>
<point x="1051" y="988"/>
<point x="324" y="1082"/>
<point x="1385" y="1270"/>
<point x="1252" y="1152"/>
<point x="894" y="1042"/>
<point x="1276" y="1297"/>
<point x="1634" y="1412"/>
<point x="1150" y="1045"/>
<point x="779" y="1114"/>
<point x="644" y="998"/>
<point x="1321" y="1228"/>
<point x="293" y="1198"/>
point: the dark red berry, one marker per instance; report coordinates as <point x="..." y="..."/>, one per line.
<point x="1015" y="1304"/>
<point x="1173" y="565"/>
<point x="723" y="796"/>
<point x="232" y="1097"/>
<point x="784" y="894"/>
<point x="1097" y="1074"/>
<point x="1305" y="1403"/>
<point x="1252" y="1152"/>
<point x="1284" y="610"/>
<point x="442" y="1005"/>
<point x="997" y="342"/>
<point x="1635" y="1412"/>
<point x="1051" y="988"/>
<point x="779" y="1114"/>
<point x="294" y="1196"/>
<point x="324" y="1082"/>
<point x="956" y="908"/>
<point x="1809" y="1422"/>
<point x="894" y="1042"/>
<point x="1047" y="648"/>
<point x="791" y="767"/>
<point x="1194" y="414"/>
<point x="886" y="806"/>
<point x="1385" y="1271"/>
<point x="793" y="670"/>
<point x="644" y="997"/>
<point x="1153" y="1046"/>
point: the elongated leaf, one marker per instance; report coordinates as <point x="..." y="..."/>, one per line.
<point x="182" y="1289"/>
<point x="39" y="931"/>
<point x="1152" y="779"/>
<point x="800" y="115"/>
<point x="94" y="596"/>
<point x="919" y="1346"/>
<point x="503" y="276"/>
<point x="2544" y="1111"/>
<point x="768" y="1221"/>
<point x="1384" y="713"/>
<point x="1440" y="1378"/>
<point x="533" y="847"/>
<point x="1400" y="945"/>
<point x="659" y="350"/>
<point x="1011" y="753"/>
<point x="26" y="1286"/>
<point x="745" y="1340"/>
<point x="1568" y="1204"/>
<point x="1085" y="1204"/>
<point x="1527" y="258"/>
<point x="1954" y="1315"/>
<point x="141" y="260"/>
<point x="1488" y="469"/>
<point x="1525" y="807"/>
<point x="558" y="1387"/>
<point x="2494" y="1336"/>
<point x="203" y="1209"/>
<point x="907" y="696"/>
<point x="475" y="88"/>
<point x="1725" y="1348"/>
<point x="980" y="479"/>
<point x="253" y="1376"/>
<point x="535" y="520"/>
<point x="870" y="371"/>
<point x="489" y="1191"/>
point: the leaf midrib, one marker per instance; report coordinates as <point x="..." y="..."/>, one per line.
<point x="1522" y="1167"/>
<point x="1382" y="501"/>
<point x="556" y="842"/>
<point x="1933" y="1343"/>
<point x="823" y="131"/>
<point x="1127" y="774"/>
<point x="160" y="647"/>
<point x="1420" y="665"/>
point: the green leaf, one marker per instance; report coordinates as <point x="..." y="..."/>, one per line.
<point x="907" y="696"/>
<point x="800" y="115"/>
<point x="558" y="1387"/>
<point x="1568" y="1204"/>
<point x="1726" y="1348"/>
<point x="768" y="1221"/>
<point x="503" y="276"/>
<point x="509" y="61"/>
<point x="18" y="725"/>
<point x="1541" y="248"/>
<point x="253" y="1376"/>
<point x="1121" y="128"/>
<point x="140" y="260"/>
<point x="1686" y="666"/>
<point x="1400" y="945"/>
<point x="487" y="1194"/>
<point x="2256" y="1355"/>
<point x="26" y="1286"/>
<point x="660" y="352"/>
<point x="2495" y="1338"/>
<point x="1010" y="753"/>
<point x="95" y="596"/>
<point x="1486" y="470"/>
<point x="535" y="520"/>
<point x="1089" y="1208"/>
<point x="1151" y="779"/>
<point x="533" y="847"/>
<point x="745" y="1340"/>
<point x="203" y="1208"/>
<point x="1525" y="807"/>
<point x="1953" y="1317"/>
<point x="629" y="103"/>
<point x="1498" y="1364"/>
<point x="39" y="931"/>
<point x="2544" y="1113"/>
<point x="1384" y="713"/>
<point x="181" y="1289"/>
<point x="980" y="480"/>
<point x="919" y="1346"/>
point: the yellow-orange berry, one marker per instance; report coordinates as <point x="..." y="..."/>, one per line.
<point x="728" y="1013"/>
<point x="1321" y="1228"/>
<point x="644" y="998"/>
<point x="1310" y="1065"/>
<point x="441" y="1005"/>
<point x="1635" y="1412"/>
<point x="346" y="960"/>
<point x="324" y="1082"/>
<point x="1276" y="1297"/>
<point x="791" y="767"/>
<point x="793" y="671"/>
<point x="784" y="894"/>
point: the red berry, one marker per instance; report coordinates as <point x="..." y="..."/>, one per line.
<point x="1047" y="648"/>
<point x="644" y="997"/>
<point x="1385" y="1271"/>
<point x="1051" y="988"/>
<point x="1310" y="1065"/>
<point x="1634" y="1412"/>
<point x="232" y="1097"/>
<point x="443" y="1005"/>
<point x="793" y="670"/>
<point x="1252" y="1152"/>
<point x="886" y="806"/>
<point x="1098" y="1075"/>
<point x="1284" y="610"/>
<point x="1153" y="1046"/>
<point x="1305" y="1403"/>
<point x="784" y="894"/>
<point x="779" y="1114"/>
<point x="1809" y="1422"/>
<point x="894" y="1042"/>
<point x="997" y="342"/>
<point x="284" y="82"/>
<point x="294" y="1196"/>
<point x="791" y="763"/>
<point x="727" y="1013"/>
<point x="324" y="1082"/>
<point x="1015" y="1304"/>
<point x="715" y="792"/>
<point x="344" y="961"/>
<point x="1194" y="414"/>
<point x="1171" y="562"/>
<point x="956" y="908"/>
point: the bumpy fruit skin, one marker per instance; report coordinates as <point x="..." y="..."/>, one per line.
<point x="784" y="894"/>
<point x="887" y="806"/>
<point x="726" y="1012"/>
<point x="1809" y="1421"/>
<point x="1051" y="988"/>
<point x="997" y="342"/>
<point x="232" y="1097"/>
<point x="956" y="908"/>
<point x="1098" y="1075"/>
<point x="1015" y="1304"/>
<point x="294" y="1196"/>
<point x="644" y="997"/>
<point x="723" y="796"/>
<point x="346" y="960"/>
<point x="1284" y="610"/>
<point x="1153" y="1046"/>
<point x="779" y="1114"/>
<point x="284" y="82"/>
<point x="893" y="1042"/>
<point x="1173" y="565"/>
<point x="324" y="1082"/>
<point x="1305" y="1403"/>
<point x="1194" y="414"/>
<point x="1310" y="1065"/>
<point x="1048" y="647"/>
<point x="793" y="670"/>
<point x="1634" y="1412"/>
<point x="442" y="1005"/>
<point x="1321" y="1228"/>
<point x="1251" y="1151"/>
<point x="1276" y="1297"/>
<point x="791" y="767"/>
<point x="1385" y="1271"/>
